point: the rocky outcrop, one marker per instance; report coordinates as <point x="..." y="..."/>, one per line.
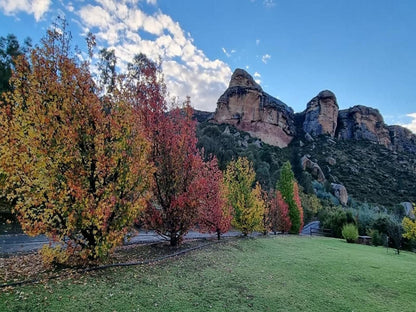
<point x="409" y="210"/>
<point x="340" y="192"/>
<point x="363" y="123"/>
<point x="402" y="139"/>
<point x="313" y="168"/>
<point x="321" y="114"/>
<point x="246" y="106"/>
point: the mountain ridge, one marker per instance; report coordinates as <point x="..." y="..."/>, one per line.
<point x="246" y="106"/>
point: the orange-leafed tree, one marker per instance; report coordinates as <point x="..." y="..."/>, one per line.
<point x="298" y="203"/>
<point x="76" y="168"/>
<point x="279" y="214"/>
<point x="173" y="209"/>
<point x="214" y="213"/>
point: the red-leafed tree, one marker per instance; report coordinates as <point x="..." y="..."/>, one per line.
<point x="214" y="213"/>
<point x="173" y="209"/>
<point x="298" y="203"/>
<point x="279" y="214"/>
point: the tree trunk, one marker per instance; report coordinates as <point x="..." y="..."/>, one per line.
<point x="218" y="234"/>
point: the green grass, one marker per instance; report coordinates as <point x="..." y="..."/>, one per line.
<point x="284" y="273"/>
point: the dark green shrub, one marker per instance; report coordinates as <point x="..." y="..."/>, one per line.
<point x="333" y="218"/>
<point x="350" y="232"/>
<point x="377" y="238"/>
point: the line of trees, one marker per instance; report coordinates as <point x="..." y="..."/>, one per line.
<point x="83" y="157"/>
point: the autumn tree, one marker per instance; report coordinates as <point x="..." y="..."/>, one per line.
<point x="409" y="226"/>
<point x="77" y="170"/>
<point x="298" y="203"/>
<point x="245" y="199"/>
<point x="279" y="214"/>
<point x="214" y="213"/>
<point x="290" y="193"/>
<point x="173" y="208"/>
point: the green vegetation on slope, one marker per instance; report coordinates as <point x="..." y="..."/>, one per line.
<point x="370" y="172"/>
<point x="284" y="273"/>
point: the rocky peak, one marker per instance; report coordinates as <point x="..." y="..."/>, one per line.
<point x="241" y="78"/>
<point x="321" y="114"/>
<point x="246" y="106"/>
<point x="362" y="122"/>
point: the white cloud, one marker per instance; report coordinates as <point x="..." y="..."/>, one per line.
<point x="265" y="58"/>
<point x="257" y="75"/>
<point x="228" y="54"/>
<point x="412" y="125"/>
<point x="35" y="7"/>
<point x="269" y="3"/>
<point x="124" y="27"/>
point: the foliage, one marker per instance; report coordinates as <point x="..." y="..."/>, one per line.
<point x="370" y="172"/>
<point x="75" y="164"/>
<point x="10" y="49"/>
<point x="290" y="193"/>
<point x="409" y="227"/>
<point x="214" y="214"/>
<point x="311" y="205"/>
<point x="245" y="200"/>
<point x="377" y="238"/>
<point x="53" y="256"/>
<point x="334" y="218"/>
<point x="279" y="214"/>
<point x="350" y="232"/>
<point x="298" y="204"/>
<point x="174" y="208"/>
<point x="228" y="143"/>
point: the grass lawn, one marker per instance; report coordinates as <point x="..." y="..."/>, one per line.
<point x="283" y="273"/>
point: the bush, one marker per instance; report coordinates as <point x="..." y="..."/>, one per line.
<point x="350" y="232"/>
<point x="334" y="218"/>
<point x="377" y="238"/>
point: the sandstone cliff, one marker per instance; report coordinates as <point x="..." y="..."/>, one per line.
<point x="321" y="114"/>
<point x="246" y="106"/>
<point x="361" y="122"/>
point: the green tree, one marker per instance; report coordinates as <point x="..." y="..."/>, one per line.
<point x="9" y="50"/>
<point x="246" y="201"/>
<point x="286" y="187"/>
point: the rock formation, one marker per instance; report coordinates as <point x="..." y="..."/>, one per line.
<point x="402" y="139"/>
<point x="313" y="168"/>
<point x="321" y="114"/>
<point x="340" y="192"/>
<point x="246" y="106"/>
<point x="363" y="123"/>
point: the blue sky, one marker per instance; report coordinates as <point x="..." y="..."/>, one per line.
<point x="363" y="51"/>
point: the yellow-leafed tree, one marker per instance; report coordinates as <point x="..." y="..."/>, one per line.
<point x="244" y="196"/>
<point x="409" y="226"/>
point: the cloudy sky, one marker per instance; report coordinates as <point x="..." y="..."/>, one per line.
<point x="363" y="51"/>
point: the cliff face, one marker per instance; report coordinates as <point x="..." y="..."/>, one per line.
<point x="361" y="122"/>
<point x="321" y="114"/>
<point x="246" y="106"/>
